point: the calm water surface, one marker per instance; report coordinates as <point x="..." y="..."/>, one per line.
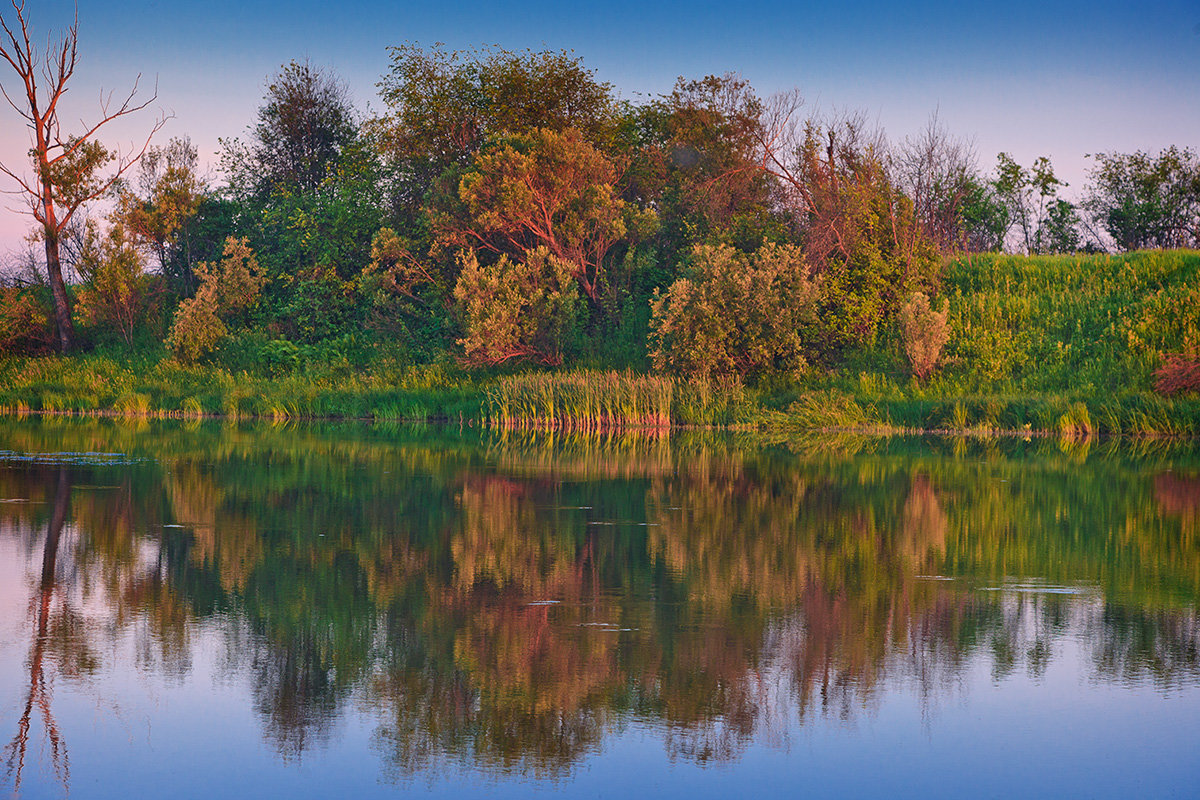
<point x="215" y="611"/>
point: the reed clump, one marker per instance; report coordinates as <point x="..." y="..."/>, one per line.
<point x="581" y="401"/>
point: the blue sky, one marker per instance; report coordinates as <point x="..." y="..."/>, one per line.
<point x="1062" y="79"/>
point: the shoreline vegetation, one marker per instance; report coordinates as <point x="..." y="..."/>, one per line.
<point x="1059" y="345"/>
<point x="509" y="243"/>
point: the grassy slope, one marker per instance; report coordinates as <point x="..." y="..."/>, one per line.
<point x="1057" y="343"/>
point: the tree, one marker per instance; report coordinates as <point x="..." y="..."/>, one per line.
<point x="227" y="290"/>
<point x="1045" y="222"/>
<point x="116" y="293"/>
<point x="160" y="207"/>
<point x="939" y="175"/>
<point x="68" y="168"/>
<point x="304" y="125"/>
<point x="444" y="105"/>
<point x="546" y="189"/>
<point x="1145" y="201"/>
<point x="696" y="157"/>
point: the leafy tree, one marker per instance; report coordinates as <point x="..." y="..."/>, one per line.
<point x="1045" y="222"/>
<point x="511" y="309"/>
<point x="1145" y="201"/>
<point x="545" y="189"/>
<point x="159" y="210"/>
<point x="25" y="327"/>
<point x="69" y="168"/>
<point x="304" y="125"/>
<point x="116" y="293"/>
<point x="697" y="156"/>
<point x="985" y="218"/>
<point x="443" y="106"/>
<point x="736" y="314"/>
<point x="860" y="232"/>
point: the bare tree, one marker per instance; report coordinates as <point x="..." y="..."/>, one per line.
<point x="69" y="170"/>
<point x="939" y="174"/>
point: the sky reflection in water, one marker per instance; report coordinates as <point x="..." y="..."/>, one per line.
<point x="215" y="611"/>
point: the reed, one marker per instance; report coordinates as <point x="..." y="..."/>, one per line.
<point x="581" y="401"/>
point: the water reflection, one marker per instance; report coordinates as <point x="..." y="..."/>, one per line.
<point x="509" y="604"/>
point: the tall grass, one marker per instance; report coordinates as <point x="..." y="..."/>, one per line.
<point x="585" y="401"/>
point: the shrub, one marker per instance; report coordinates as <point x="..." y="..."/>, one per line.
<point x="924" y="332"/>
<point x="1179" y="373"/>
<point x="116" y="294"/>
<point x="25" y="327"/>
<point x="516" y="309"/>
<point x="226" y="291"/>
<point x="737" y="314"/>
<point x="197" y="329"/>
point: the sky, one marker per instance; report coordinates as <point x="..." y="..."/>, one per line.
<point x="1060" y="79"/>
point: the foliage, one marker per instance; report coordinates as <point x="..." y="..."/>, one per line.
<point x="407" y="307"/>
<point x="695" y="155"/>
<point x="1144" y="201"/>
<point x="547" y="189"/>
<point x="116" y="294"/>
<point x="1179" y="373"/>
<point x="304" y="125"/>
<point x="443" y="106"/>
<point x="924" y="332"/>
<point x="25" y="328"/>
<point x="1046" y="223"/>
<point x="737" y="314"/>
<point x="159" y="210"/>
<point x="524" y="309"/>
<point x="227" y="290"/>
<point x="860" y="235"/>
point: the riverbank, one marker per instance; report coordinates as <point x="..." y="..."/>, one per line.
<point x="1064" y="345"/>
<point x="577" y="400"/>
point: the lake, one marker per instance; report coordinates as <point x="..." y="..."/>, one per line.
<point x="214" y="610"/>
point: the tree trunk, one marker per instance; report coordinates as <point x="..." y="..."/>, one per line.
<point x="58" y="289"/>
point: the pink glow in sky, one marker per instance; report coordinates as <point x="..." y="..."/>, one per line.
<point x="1062" y="79"/>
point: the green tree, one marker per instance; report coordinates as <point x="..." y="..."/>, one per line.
<point x="516" y="309"/>
<point x="116" y="293"/>
<point x="160" y="208"/>
<point x="227" y="291"/>
<point x="1045" y="222"/>
<point x="1147" y="201"/>
<point x="69" y="169"/>
<point x="443" y="106"/>
<point x="304" y="124"/>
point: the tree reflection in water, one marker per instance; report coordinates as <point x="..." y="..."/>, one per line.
<point x="508" y="604"/>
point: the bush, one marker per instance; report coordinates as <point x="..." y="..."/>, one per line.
<point x="1179" y="374"/>
<point x="226" y="291"/>
<point x="737" y="314"/>
<point x="25" y="327"/>
<point x="523" y="310"/>
<point x="116" y="294"/>
<point x="924" y="332"/>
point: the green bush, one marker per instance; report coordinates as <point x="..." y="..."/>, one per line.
<point x="737" y="314"/>
<point x="516" y="310"/>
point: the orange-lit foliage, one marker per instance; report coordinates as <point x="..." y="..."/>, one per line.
<point x="1178" y="374"/>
